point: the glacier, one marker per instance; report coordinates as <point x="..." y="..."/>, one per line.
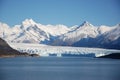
<point x="59" y="51"/>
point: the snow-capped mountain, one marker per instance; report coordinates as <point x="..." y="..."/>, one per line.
<point x="31" y="32"/>
<point x="104" y="29"/>
<point x="4" y="30"/>
<point x="114" y="34"/>
<point x="85" y="30"/>
<point x="108" y="39"/>
<point x="85" y="35"/>
<point x="27" y="32"/>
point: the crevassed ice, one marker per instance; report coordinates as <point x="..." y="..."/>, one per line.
<point x="45" y="50"/>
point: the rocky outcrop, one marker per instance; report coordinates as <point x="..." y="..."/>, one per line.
<point x="7" y="51"/>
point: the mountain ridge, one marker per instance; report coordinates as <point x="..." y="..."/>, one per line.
<point x="86" y="34"/>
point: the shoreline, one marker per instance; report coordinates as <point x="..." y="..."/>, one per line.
<point x="19" y="55"/>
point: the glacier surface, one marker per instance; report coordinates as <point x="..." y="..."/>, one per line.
<point x="46" y="50"/>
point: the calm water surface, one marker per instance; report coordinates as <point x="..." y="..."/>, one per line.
<point x="59" y="68"/>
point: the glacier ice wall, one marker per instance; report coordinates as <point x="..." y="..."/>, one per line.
<point x="45" y="50"/>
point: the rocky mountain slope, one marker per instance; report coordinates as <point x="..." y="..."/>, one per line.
<point x="7" y="51"/>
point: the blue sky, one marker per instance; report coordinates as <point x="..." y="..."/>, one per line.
<point x="67" y="12"/>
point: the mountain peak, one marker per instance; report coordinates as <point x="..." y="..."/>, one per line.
<point x="86" y="23"/>
<point x="28" y="22"/>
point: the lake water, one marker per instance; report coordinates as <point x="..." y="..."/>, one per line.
<point x="59" y="68"/>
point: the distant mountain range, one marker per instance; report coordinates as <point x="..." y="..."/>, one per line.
<point x="85" y="35"/>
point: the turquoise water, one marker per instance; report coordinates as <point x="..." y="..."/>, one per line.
<point x="59" y="68"/>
